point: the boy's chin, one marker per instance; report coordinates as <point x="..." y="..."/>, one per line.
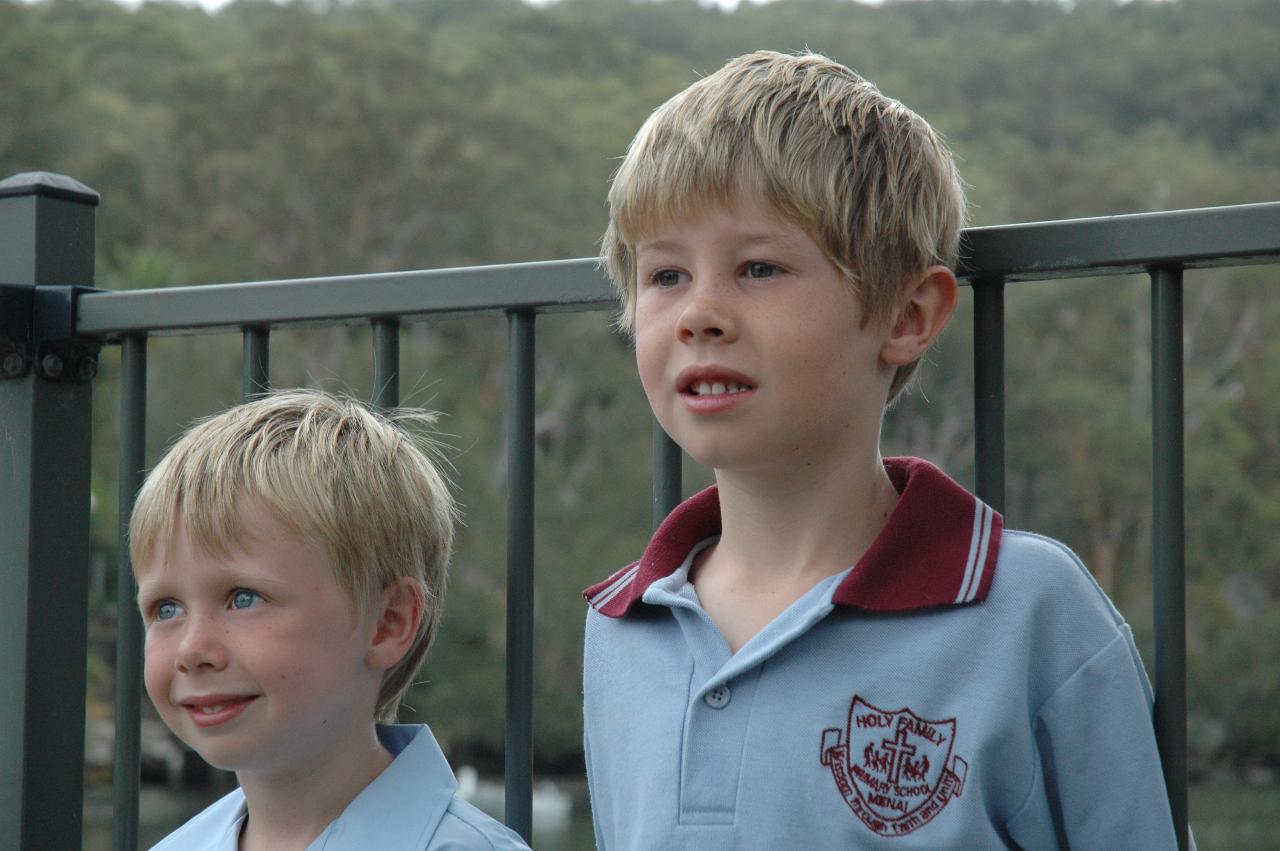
<point x="225" y="755"/>
<point x="222" y="765"/>
<point x="723" y="458"/>
<point x="246" y="762"/>
<point x="223" y="759"/>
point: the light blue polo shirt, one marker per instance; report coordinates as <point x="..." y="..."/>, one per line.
<point x="959" y="687"/>
<point x="410" y="806"/>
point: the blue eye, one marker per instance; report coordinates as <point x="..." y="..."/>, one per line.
<point x="242" y="598"/>
<point x="666" y="278"/>
<point x="166" y="610"/>
<point x="757" y="269"/>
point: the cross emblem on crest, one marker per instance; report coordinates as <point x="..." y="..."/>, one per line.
<point x="900" y="750"/>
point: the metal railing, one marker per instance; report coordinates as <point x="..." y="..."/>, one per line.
<point x="52" y="325"/>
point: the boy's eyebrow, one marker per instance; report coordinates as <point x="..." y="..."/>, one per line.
<point x="766" y="240"/>
<point x="656" y="245"/>
<point x="149" y="591"/>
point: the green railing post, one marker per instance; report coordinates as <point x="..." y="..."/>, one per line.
<point x="386" y="363"/>
<point x="519" y="750"/>
<point x="666" y="473"/>
<point x="46" y="248"/>
<point x="988" y="389"/>
<point x="133" y="446"/>
<point x="257" y="362"/>
<point x="1169" y="580"/>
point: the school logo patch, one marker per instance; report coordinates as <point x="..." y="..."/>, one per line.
<point x="895" y="770"/>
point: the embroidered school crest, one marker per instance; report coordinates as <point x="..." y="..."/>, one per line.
<point x="894" y="769"/>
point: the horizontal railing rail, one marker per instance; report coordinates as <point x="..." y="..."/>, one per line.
<point x="549" y="286"/>
<point x="1161" y="245"/>
<point x="1208" y="237"/>
<point x="1110" y="245"/>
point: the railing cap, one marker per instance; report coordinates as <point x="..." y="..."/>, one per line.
<point x="50" y="185"/>
<point x="1244" y="234"/>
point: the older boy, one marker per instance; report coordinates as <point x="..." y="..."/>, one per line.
<point x="291" y="556"/>
<point x="829" y="649"/>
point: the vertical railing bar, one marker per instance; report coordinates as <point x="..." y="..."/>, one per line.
<point x="1169" y="591"/>
<point x="257" y="361"/>
<point x="46" y="434"/>
<point x="386" y="363"/>
<point x="519" y="746"/>
<point x="988" y="390"/>
<point x="128" y="719"/>
<point x="667" y="464"/>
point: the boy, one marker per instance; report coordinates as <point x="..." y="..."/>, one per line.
<point x="291" y="556"/>
<point x="829" y="649"/>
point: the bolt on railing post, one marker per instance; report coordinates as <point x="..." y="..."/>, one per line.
<point x="46" y="244"/>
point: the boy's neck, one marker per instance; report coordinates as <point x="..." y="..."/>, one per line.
<point x="781" y="535"/>
<point x="289" y="811"/>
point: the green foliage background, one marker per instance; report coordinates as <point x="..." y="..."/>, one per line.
<point x="320" y="138"/>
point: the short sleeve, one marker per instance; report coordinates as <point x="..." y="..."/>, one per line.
<point x="1099" y="783"/>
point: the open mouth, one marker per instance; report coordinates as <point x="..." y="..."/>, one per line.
<point x="717" y="388"/>
<point x="212" y="712"/>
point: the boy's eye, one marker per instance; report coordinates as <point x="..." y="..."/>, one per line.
<point x="167" y="610"/>
<point x="666" y="278"/>
<point x="758" y="269"/>
<point x="243" y="598"/>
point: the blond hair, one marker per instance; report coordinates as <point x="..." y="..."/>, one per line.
<point x="866" y="178"/>
<point x="329" y="469"/>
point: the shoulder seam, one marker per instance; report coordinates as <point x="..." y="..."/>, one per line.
<point x="1035" y="718"/>
<point x="1116" y="616"/>
<point x="1119" y="636"/>
<point x="449" y="811"/>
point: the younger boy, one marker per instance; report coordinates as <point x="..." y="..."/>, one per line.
<point x="291" y="556"/>
<point x="829" y="649"/>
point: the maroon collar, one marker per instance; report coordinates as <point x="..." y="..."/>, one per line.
<point x="938" y="548"/>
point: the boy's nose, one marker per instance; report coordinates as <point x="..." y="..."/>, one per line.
<point x="201" y="646"/>
<point x="706" y="317"/>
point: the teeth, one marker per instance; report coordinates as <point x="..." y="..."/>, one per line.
<point x="706" y="388"/>
<point x="210" y="710"/>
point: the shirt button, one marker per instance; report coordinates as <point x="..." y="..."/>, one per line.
<point x="718" y="697"/>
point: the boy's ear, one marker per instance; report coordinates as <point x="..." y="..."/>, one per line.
<point x="930" y="301"/>
<point x="399" y="616"/>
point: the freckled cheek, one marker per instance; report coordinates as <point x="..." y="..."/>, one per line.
<point x="650" y="369"/>
<point x="157" y="676"/>
<point x="644" y="350"/>
<point x="305" y="669"/>
<point x="276" y="665"/>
